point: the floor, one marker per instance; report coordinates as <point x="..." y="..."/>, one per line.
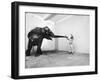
<point x="55" y="59"/>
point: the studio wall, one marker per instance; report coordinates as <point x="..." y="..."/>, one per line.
<point x="78" y="25"/>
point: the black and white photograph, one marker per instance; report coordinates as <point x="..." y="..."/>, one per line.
<point x="54" y="40"/>
<point x="50" y="40"/>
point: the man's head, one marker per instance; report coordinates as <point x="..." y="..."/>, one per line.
<point x="70" y="37"/>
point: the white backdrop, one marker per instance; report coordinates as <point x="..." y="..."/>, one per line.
<point x="5" y="42"/>
<point x="79" y="27"/>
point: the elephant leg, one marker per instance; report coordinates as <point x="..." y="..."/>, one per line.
<point x="29" y="48"/>
<point x="39" y="52"/>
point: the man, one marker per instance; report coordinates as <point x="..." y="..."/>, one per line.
<point x="70" y="39"/>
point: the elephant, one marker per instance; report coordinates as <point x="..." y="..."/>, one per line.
<point x="36" y="36"/>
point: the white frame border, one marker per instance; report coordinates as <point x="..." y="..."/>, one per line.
<point x="53" y="70"/>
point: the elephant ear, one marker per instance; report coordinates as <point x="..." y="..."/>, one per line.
<point x="36" y="30"/>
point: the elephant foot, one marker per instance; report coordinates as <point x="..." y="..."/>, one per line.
<point x="70" y="52"/>
<point x="38" y="54"/>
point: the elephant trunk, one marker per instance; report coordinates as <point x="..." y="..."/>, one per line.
<point x="58" y="36"/>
